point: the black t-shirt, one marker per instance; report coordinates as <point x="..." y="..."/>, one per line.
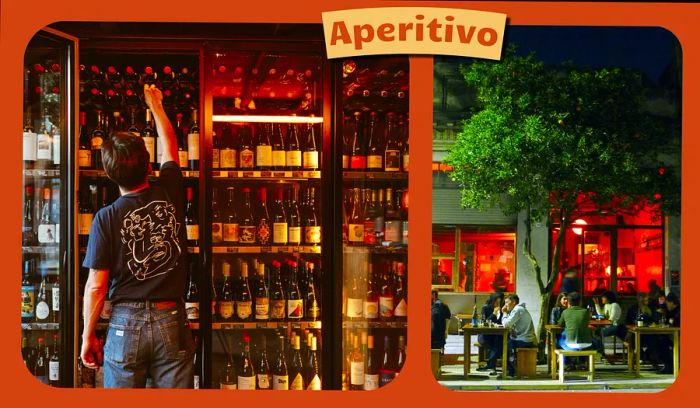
<point x="141" y="239"/>
<point x="439" y="313"/>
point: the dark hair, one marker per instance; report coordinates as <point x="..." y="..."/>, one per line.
<point x="560" y="296"/>
<point x="610" y="296"/>
<point x="492" y="298"/>
<point x="574" y="298"/>
<point x="125" y="159"/>
<point x="514" y="298"/>
<point x="434" y="293"/>
<point x="672" y="297"/>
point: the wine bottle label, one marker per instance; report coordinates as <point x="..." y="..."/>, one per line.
<point x="385" y="377"/>
<point x="244" y="309"/>
<point x="392" y="160"/>
<point x="277" y="309"/>
<point x="246" y="383"/>
<point x="182" y="157"/>
<point x="392" y="231"/>
<point x="371" y="382"/>
<point x="404" y="232"/>
<point x="43" y="147"/>
<point x="195" y="382"/>
<point x="298" y="383"/>
<point x="29" y="146"/>
<point x="370" y="309"/>
<point x="84" y="158"/>
<point x="106" y="311"/>
<point x="53" y="370"/>
<point x="263" y="156"/>
<point x="227" y="386"/>
<point x="386" y="306"/>
<point x="294" y="235"/>
<point x="42" y="310"/>
<point x="280" y="382"/>
<point x="192" y="310"/>
<point x="295" y="308"/>
<point x="357" y="372"/>
<point x="354" y="308"/>
<point x="356" y="232"/>
<point x="294" y="158"/>
<point x="312" y="235"/>
<point x="262" y="308"/>
<point x="217" y="232"/>
<point x="279" y="233"/>
<point x="84" y="223"/>
<point x="405" y="162"/>
<point x="246" y="234"/>
<point x="192" y="232"/>
<point x="358" y="162"/>
<point x="228" y="158"/>
<point x="47" y="233"/>
<point x="279" y="158"/>
<point x="379" y="227"/>
<point x="215" y="159"/>
<point x="150" y="143"/>
<point x="315" y="383"/>
<point x="56" y="149"/>
<point x="310" y="160"/>
<point x="263" y="232"/>
<point x="193" y="146"/>
<point x="55" y="298"/>
<point x="346" y="161"/>
<point x="27" y="310"/>
<point x="264" y="381"/>
<point x="313" y="311"/>
<point x="95" y="143"/>
<point x="231" y="233"/>
<point x="374" y="162"/>
<point x="247" y="159"/>
<point x="370" y="236"/>
<point x="401" y="309"/>
<point x="226" y="309"/>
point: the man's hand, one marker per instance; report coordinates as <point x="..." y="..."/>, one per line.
<point x="153" y="97"/>
<point x="91" y="352"/>
<point x="504" y="309"/>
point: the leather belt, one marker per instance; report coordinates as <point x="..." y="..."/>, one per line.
<point x="150" y="304"/>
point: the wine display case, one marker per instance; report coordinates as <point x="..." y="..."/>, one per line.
<point x="260" y="117"/>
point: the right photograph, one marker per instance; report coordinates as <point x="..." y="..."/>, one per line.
<point x="556" y="244"/>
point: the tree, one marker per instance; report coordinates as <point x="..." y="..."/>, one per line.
<point x="542" y="140"/>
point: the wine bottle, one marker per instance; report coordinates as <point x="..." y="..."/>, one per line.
<point x="313" y="308"/>
<point x="357" y="366"/>
<point x="46" y="233"/>
<point x="246" y="375"/>
<point x="54" y="364"/>
<point x="278" y="302"/>
<point x="312" y="228"/>
<point x="85" y="216"/>
<point x="392" y="150"/>
<point x="372" y="367"/>
<point x="370" y="214"/>
<point x="294" y="218"/>
<point x="215" y="152"/>
<point x="386" y="298"/>
<point x="44" y="145"/>
<point x="313" y="367"/>
<point x="133" y="129"/>
<point x="355" y="297"/>
<point x="228" y="379"/>
<point x="403" y="126"/>
<point x="96" y="140"/>
<point x="293" y="152"/>
<point x="356" y="228"/>
<point x="27" y="305"/>
<point x="347" y="131"/>
<point x="280" y="374"/>
<point x="41" y="365"/>
<point x="226" y="301"/>
<point x="392" y="220"/>
<point x="246" y="153"/>
<point x="280" y="226"/>
<point x="148" y="134"/>
<point x="230" y="219"/>
<point x="295" y="303"/>
<point x="387" y="371"/>
<point x="191" y="223"/>
<point x="193" y="142"/>
<point x="377" y="210"/>
<point x="400" y="354"/>
<point x="400" y="294"/>
<point x="262" y="296"/>
<point x="358" y="155"/>
<point x="181" y="142"/>
<point x="310" y="154"/>
<point x="149" y="76"/>
<point x="217" y="232"/>
<point x="29" y="142"/>
<point x="228" y="152"/>
<point x="263" y="219"/>
<point x="263" y="150"/>
<point x="84" y="152"/>
<point x="296" y="368"/>
<point x="247" y="226"/>
<point x="244" y="300"/>
<point x="370" y="305"/>
<point x="214" y="300"/>
<point x="263" y="367"/>
<point x="279" y="154"/>
<point x="28" y="235"/>
<point x="42" y="302"/>
<point x="374" y="148"/>
<point x="192" y="295"/>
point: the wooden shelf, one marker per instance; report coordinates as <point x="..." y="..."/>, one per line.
<point x="374" y="325"/>
<point x="266" y="175"/>
<point x="264" y="325"/>
<point x="375" y="175"/>
<point x="240" y="249"/>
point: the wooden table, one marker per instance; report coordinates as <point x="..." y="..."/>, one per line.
<point x="470" y="330"/>
<point x="554" y="330"/>
<point x="638" y="331"/>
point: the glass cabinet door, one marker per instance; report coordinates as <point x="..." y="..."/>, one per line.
<point x="47" y="129"/>
<point x="375" y="163"/>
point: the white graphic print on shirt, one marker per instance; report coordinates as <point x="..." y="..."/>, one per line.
<point x="151" y="234"/>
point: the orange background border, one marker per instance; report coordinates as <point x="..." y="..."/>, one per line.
<point x="19" y="20"/>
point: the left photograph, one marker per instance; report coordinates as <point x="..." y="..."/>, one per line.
<point x="212" y="206"/>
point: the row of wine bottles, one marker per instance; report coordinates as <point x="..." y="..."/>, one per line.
<point x="41" y="299"/>
<point x="379" y="294"/>
<point x="375" y="217"/>
<point x="370" y="145"/>
<point x="364" y="368"/>
<point x="41" y="214"/>
<point x="42" y="361"/>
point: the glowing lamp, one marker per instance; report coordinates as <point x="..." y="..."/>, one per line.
<point x="579" y="231"/>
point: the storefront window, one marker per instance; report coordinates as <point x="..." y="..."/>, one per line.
<point x="443" y="257"/>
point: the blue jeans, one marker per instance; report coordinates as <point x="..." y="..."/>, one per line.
<point x="148" y="342"/>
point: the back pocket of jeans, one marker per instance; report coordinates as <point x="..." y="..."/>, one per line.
<point x="122" y="343"/>
<point x="171" y="332"/>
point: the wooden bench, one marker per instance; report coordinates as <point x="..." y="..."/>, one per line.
<point x="435" y="355"/>
<point x="526" y="362"/>
<point x="569" y="353"/>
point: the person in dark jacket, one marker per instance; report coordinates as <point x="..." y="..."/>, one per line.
<point x="570" y="282"/>
<point x="491" y="312"/>
<point x="561" y="304"/>
<point x="665" y="344"/>
<point x="439" y="313"/>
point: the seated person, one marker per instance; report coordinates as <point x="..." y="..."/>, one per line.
<point x="491" y="311"/>
<point x="561" y="304"/>
<point x="642" y="311"/>
<point x="613" y="312"/>
<point x="665" y="344"/>
<point x="577" y="335"/>
<point x="522" y="331"/>
<point x="439" y="313"/>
